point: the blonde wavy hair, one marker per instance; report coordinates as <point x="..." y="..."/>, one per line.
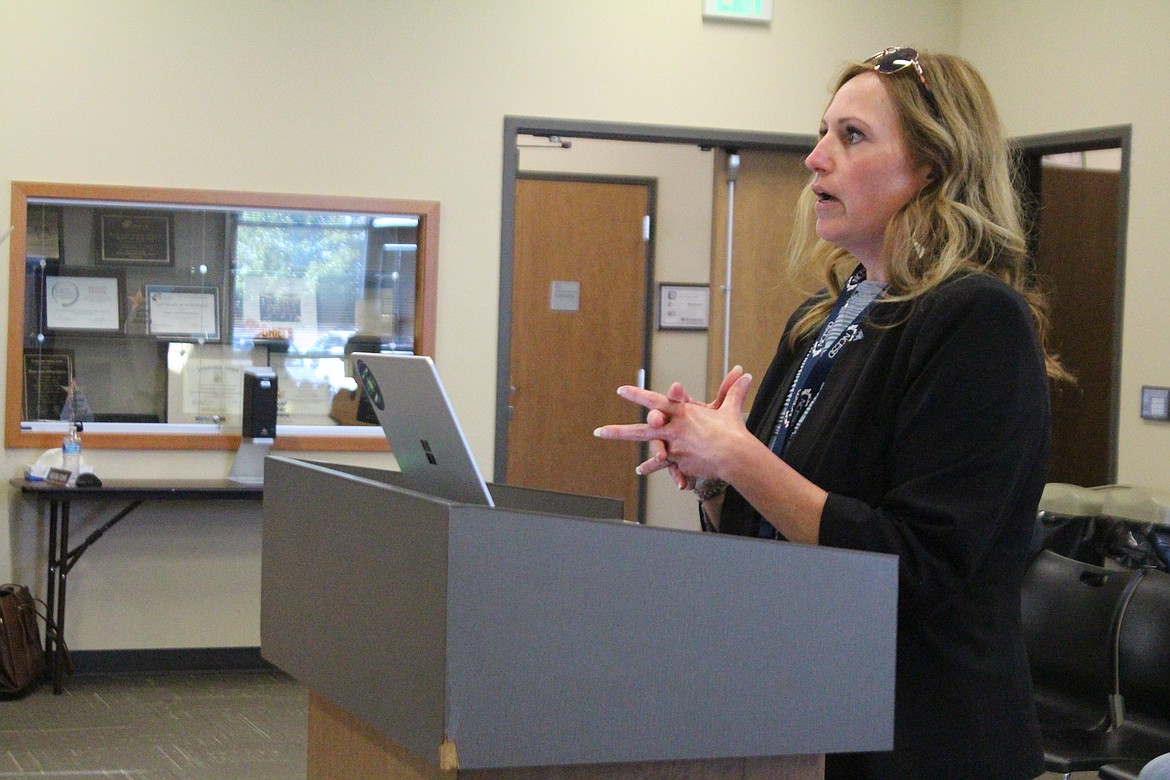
<point x="967" y="219"/>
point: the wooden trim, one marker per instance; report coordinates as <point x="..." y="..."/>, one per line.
<point x="130" y="441"/>
<point x="426" y="297"/>
<point x="207" y="442"/>
<point x="167" y="196"/>
<point x="14" y="386"/>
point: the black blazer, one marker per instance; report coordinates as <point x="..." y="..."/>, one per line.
<point x="932" y="437"/>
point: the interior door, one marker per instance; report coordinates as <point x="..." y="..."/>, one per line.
<point x="1077" y="256"/>
<point x="579" y="314"/>
<point x="767" y="185"/>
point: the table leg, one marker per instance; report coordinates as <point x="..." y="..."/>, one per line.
<point x="61" y="561"/>
<point x="58" y="660"/>
<point x="55" y="561"/>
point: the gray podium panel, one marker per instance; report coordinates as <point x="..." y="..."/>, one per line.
<point x="353" y="597"/>
<point x="537" y="639"/>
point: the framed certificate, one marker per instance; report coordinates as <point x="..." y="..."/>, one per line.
<point x="83" y="302"/>
<point x="189" y="313"/>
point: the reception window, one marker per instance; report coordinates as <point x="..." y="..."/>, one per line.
<point x="137" y="312"/>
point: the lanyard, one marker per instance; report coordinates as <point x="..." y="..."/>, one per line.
<point x="814" y="369"/>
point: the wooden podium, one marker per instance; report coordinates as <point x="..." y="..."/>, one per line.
<point x="541" y="639"/>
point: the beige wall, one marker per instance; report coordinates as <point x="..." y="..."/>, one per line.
<point x="1059" y="65"/>
<point x="406" y="98"/>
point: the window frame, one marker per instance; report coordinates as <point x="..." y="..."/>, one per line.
<point x="147" y="436"/>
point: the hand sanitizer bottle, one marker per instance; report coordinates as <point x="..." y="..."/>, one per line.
<point x="71" y="452"/>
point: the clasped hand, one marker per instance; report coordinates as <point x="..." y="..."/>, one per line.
<point x="692" y="440"/>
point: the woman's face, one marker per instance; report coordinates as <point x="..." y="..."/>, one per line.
<point x="864" y="171"/>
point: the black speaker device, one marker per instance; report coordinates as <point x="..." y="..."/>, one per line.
<point x="259" y="403"/>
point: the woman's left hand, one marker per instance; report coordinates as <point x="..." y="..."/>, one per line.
<point x="688" y="438"/>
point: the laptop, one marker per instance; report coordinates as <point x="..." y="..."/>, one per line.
<point x="413" y="409"/>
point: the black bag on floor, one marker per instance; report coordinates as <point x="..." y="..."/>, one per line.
<point x="22" y="656"/>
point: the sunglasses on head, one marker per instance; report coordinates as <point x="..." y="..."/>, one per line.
<point x="898" y="58"/>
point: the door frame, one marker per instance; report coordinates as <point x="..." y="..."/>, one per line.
<point x="1031" y="149"/>
<point x="515" y="126"/>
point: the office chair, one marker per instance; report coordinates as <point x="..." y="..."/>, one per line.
<point x="1143" y="661"/>
<point x="1070" y="612"/>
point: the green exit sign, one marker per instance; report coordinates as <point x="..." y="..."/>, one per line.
<point x="739" y="10"/>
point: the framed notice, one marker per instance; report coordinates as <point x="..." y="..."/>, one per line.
<point x="134" y="238"/>
<point x="189" y="313"/>
<point x="90" y="303"/>
<point x="43" y="232"/>
<point x="48" y="375"/>
<point x="684" y="306"/>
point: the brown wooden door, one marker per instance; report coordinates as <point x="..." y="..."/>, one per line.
<point x="578" y="332"/>
<point x="1077" y="257"/>
<point x="762" y="298"/>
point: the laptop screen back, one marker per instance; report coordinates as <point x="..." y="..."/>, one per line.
<point x="415" y="412"/>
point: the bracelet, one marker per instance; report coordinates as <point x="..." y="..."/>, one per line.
<point x="709" y="488"/>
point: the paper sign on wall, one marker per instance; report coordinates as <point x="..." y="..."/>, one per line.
<point x="565" y="296"/>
